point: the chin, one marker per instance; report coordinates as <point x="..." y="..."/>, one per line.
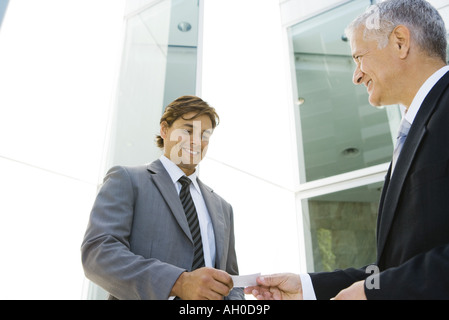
<point x="375" y="102"/>
<point x="191" y="161"/>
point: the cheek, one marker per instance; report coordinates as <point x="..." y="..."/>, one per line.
<point x="204" y="146"/>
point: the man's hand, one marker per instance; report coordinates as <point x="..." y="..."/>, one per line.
<point x="203" y="284"/>
<point x="283" y="286"/>
<point x="355" y="292"/>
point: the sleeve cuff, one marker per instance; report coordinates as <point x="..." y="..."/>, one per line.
<point x="308" y="293"/>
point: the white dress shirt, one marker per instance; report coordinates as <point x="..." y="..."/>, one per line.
<point x="410" y="114"/>
<point x="206" y="227"/>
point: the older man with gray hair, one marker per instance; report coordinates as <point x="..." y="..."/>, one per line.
<point x="399" y="48"/>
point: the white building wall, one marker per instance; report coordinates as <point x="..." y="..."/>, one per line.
<point x="58" y="62"/>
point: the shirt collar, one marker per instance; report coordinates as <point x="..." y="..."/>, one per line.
<point x="175" y="172"/>
<point x="423" y="92"/>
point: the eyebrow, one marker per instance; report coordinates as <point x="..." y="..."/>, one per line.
<point x="190" y="126"/>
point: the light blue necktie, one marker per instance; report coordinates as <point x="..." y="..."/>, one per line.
<point x="402" y="135"/>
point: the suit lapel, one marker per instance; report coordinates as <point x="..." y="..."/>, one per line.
<point x="396" y="183"/>
<point x="393" y="187"/>
<point x="213" y="206"/>
<point x="165" y="185"/>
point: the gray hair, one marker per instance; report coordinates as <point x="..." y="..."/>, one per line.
<point x="420" y="17"/>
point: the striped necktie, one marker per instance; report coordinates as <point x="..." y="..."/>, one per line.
<point x="402" y="135"/>
<point x="192" y="219"/>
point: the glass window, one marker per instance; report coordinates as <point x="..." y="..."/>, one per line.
<point x="340" y="130"/>
<point x="158" y="65"/>
<point x="3" y="6"/>
<point x="342" y="228"/>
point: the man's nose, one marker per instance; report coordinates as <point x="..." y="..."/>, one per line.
<point x="357" y="76"/>
<point x="195" y="139"/>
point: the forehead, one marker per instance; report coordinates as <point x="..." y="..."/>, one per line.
<point x="359" y="43"/>
<point x="357" y="38"/>
<point x="187" y="120"/>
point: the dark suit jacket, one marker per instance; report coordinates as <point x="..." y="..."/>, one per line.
<point x="138" y="239"/>
<point x="413" y="219"/>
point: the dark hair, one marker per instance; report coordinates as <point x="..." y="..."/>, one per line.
<point x="183" y="105"/>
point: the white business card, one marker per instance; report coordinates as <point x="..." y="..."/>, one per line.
<point x="245" y="281"/>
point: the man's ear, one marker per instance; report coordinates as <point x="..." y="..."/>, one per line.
<point x="164" y="129"/>
<point x="401" y="40"/>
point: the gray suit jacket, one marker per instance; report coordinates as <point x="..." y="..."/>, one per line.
<point x="138" y="241"/>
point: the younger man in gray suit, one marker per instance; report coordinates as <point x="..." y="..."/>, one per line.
<point x="139" y="244"/>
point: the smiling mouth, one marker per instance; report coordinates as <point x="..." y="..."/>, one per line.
<point x="369" y="83"/>
<point x="191" y="152"/>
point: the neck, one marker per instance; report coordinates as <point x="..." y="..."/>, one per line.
<point x="417" y="75"/>
<point x="187" y="171"/>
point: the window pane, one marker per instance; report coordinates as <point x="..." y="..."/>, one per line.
<point x="3" y="6"/>
<point x="342" y="228"/>
<point x="341" y="131"/>
<point x="158" y="65"/>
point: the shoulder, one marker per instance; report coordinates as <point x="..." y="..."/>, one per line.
<point x="126" y="174"/>
<point x="210" y="192"/>
<point x="127" y="170"/>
